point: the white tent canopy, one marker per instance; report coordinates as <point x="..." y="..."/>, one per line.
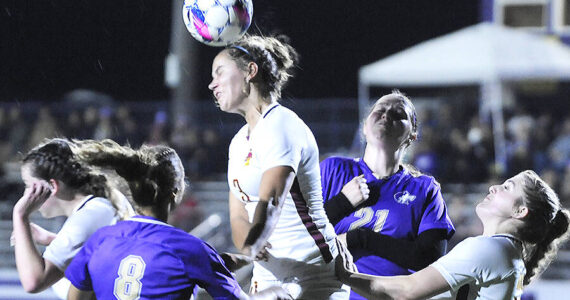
<point x="484" y="54"/>
<point x="472" y="55"/>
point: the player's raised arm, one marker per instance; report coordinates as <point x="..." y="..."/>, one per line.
<point x="522" y="213"/>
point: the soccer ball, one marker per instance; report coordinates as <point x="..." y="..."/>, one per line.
<point x="217" y="22"/>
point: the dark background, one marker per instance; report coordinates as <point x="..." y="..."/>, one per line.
<point x="48" y="48"/>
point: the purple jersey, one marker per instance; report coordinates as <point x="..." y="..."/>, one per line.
<point x="143" y="257"/>
<point x="401" y="206"/>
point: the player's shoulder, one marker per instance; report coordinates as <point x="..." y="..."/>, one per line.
<point x="489" y="245"/>
<point x="190" y="247"/>
<point x="108" y="231"/>
<point x="338" y="161"/>
<point x="412" y="174"/>
<point x="96" y="211"/>
<point x="281" y="116"/>
<point x="336" y="165"/>
<point x="96" y="203"/>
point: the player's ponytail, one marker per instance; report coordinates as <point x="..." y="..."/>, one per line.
<point x="545" y="226"/>
<point x="166" y="171"/>
<point x="154" y="174"/>
<point x="542" y="254"/>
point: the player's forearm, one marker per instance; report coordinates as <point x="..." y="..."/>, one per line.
<point x="30" y="264"/>
<point x="76" y="294"/>
<point x="382" y="287"/>
<point x="264" y="220"/>
<point x="371" y="287"/>
<point x="273" y="189"/>
<point x="240" y="230"/>
<point x="338" y="207"/>
<point x="417" y="254"/>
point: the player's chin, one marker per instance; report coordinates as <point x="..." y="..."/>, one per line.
<point x="480" y="209"/>
<point x="225" y="106"/>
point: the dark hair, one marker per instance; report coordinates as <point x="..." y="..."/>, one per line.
<point x="55" y="159"/>
<point x="154" y="174"/>
<point x="545" y="226"/>
<point x="274" y="56"/>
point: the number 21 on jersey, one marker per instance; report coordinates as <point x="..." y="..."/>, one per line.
<point x="128" y="285"/>
<point x="366" y="214"/>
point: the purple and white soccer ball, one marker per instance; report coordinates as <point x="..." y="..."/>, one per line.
<point x="217" y="22"/>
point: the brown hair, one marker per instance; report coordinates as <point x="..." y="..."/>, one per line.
<point x="274" y="56"/>
<point x="154" y="174"/>
<point x="545" y="226"/>
<point x="54" y="159"/>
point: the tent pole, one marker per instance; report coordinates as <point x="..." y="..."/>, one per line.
<point x="491" y="93"/>
<point x="363" y="103"/>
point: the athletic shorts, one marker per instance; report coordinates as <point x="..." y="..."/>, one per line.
<point x="310" y="282"/>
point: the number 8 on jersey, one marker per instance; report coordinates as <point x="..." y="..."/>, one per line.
<point x="128" y="285"/>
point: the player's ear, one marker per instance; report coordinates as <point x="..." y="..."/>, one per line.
<point x="520" y="212"/>
<point x="252" y="70"/>
<point x="54" y="185"/>
<point x="413" y="137"/>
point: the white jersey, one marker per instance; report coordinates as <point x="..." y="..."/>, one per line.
<point x="91" y="214"/>
<point x="490" y="267"/>
<point x="303" y="235"/>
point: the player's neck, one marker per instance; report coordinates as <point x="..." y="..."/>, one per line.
<point x="75" y="202"/>
<point x="499" y="226"/>
<point x="153" y="213"/>
<point x="254" y="111"/>
<point x="381" y="163"/>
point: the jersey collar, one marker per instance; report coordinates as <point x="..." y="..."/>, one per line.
<point x="147" y="219"/>
<point x="83" y="202"/>
<point x="269" y="109"/>
<point x="369" y="175"/>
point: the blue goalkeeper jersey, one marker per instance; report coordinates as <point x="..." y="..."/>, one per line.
<point x="143" y="258"/>
<point x="401" y="206"/>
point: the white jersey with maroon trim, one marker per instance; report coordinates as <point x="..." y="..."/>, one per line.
<point x="303" y="237"/>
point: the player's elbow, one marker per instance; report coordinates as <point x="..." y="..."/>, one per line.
<point x="426" y="255"/>
<point x="32" y="286"/>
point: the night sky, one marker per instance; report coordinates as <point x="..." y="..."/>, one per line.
<point x="118" y="47"/>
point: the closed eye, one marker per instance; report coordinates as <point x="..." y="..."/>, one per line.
<point x="508" y="185"/>
<point x="400" y="115"/>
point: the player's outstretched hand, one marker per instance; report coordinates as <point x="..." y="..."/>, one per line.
<point x="272" y="293"/>
<point x="235" y="261"/>
<point x="263" y="254"/>
<point x="344" y="266"/>
<point x="356" y="190"/>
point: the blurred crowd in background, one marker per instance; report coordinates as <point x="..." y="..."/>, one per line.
<point x="454" y="144"/>
<point x="459" y="147"/>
